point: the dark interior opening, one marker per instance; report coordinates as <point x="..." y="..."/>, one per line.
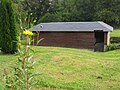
<point x="99" y="36"/>
<point x="99" y="41"/>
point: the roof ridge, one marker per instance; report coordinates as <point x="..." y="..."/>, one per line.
<point x="67" y="22"/>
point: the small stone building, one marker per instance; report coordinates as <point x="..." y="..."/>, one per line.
<point x="85" y="35"/>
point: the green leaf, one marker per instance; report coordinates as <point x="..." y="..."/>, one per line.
<point x="1" y="86"/>
<point x="39" y="41"/>
<point x="30" y="58"/>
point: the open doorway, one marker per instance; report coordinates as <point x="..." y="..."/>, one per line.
<point x="99" y="40"/>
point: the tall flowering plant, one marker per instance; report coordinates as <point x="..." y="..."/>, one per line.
<point x="23" y="76"/>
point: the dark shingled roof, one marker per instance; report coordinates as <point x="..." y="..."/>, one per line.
<point x="73" y="26"/>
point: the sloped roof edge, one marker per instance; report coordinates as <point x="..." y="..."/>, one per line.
<point x="73" y="26"/>
<point x="106" y="25"/>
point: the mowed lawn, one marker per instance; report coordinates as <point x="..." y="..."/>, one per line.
<point x="115" y="33"/>
<point x="72" y="69"/>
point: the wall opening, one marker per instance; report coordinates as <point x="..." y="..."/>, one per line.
<point x="99" y="40"/>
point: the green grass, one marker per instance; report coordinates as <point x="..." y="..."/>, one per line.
<point x="73" y="69"/>
<point x="115" y="33"/>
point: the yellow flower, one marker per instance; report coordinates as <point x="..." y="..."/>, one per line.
<point x="34" y="21"/>
<point x="28" y="32"/>
<point x="19" y="44"/>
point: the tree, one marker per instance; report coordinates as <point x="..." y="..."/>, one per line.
<point x="108" y="11"/>
<point x="72" y="10"/>
<point x="0" y="23"/>
<point x="84" y="10"/>
<point x="49" y="17"/>
<point x="61" y="11"/>
<point x="64" y="9"/>
<point x="37" y="8"/>
<point x="8" y="29"/>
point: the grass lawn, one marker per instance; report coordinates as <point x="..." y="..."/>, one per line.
<point x="115" y="33"/>
<point x="73" y="69"/>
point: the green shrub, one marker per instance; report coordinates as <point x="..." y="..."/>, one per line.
<point x="113" y="46"/>
<point x="8" y="29"/>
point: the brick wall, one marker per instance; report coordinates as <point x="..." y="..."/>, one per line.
<point x="65" y="39"/>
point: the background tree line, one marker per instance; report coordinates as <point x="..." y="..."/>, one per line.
<point x="73" y="10"/>
<point x="67" y="10"/>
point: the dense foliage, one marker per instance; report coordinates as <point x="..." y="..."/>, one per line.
<point x="8" y="30"/>
<point x="74" y="10"/>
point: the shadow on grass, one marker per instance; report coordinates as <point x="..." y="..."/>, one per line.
<point x="2" y="53"/>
